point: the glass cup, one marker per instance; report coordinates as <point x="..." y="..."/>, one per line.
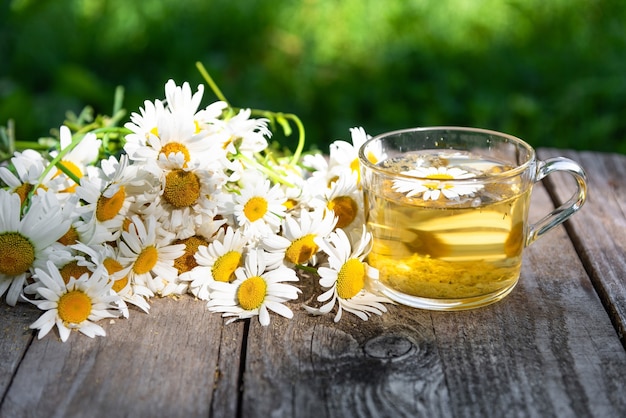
<point x="448" y="211"/>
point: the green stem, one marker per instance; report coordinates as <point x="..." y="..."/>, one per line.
<point x="308" y="269"/>
<point x="211" y="83"/>
<point x="271" y="174"/>
<point x="300" y="148"/>
<point x="55" y="163"/>
<point x="276" y="115"/>
<point x="22" y="145"/>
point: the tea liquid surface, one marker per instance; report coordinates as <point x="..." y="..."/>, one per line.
<point x="466" y="247"/>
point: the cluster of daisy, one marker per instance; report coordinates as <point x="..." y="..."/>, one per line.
<point x="195" y="203"/>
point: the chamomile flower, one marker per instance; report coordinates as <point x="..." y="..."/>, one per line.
<point x="258" y="209"/>
<point x="188" y="262"/>
<point x="344" y="155"/>
<point x="344" y="198"/>
<point x="143" y="125"/>
<point x="218" y="261"/>
<point x="255" y="291"/>
<point x="109" y="194"/>
<point x="186" y="197"/>
<point x="180" y="100"/>
<point x="431" y="183"/>
<point x="147" y="250"/>
<point x="296" y="242"/>
<point x="108" y="256"/>
<point x="25" y="241"/>
<point x="75" y="305"/>
<point x="245" y="135"/>
<point x="345" y="277"/>
<point x="76" y="160"/>
<point x="29" y="166"/>
<point x="177" y="136"/>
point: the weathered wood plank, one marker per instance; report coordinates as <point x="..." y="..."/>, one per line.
<point x="312" y="367"/>
<point x="547" y="350"/>
<point x="599" y="230"/>
<point x="169" y="363"/>
<point x="15" y="337"/>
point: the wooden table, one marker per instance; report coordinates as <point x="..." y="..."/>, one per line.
<point x="553" y="347"/>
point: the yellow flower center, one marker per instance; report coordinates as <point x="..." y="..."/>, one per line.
<point x="435" y="184"/>
<point x="354" y="166"/>
<point x="251" y="293"/>
<point x="187" y="261"/>
<point x="17" y="253"/>
<point x="345" y="209"/>
<point x="351" y="278"/>
<point x="23" y="190"/>
<point x="255" y="208"/>
<point x="147" y="260"/>
<point x="72" y="168"/>
<point x="113" y="266"/>
<point x="70" y="237"/>
<point x="74" y="307"/>
<point x="440" y="176"/>
<point x="155" y="131"/>
<point x="302" y="249"/>
<point x="126" y="224"/>
<point x="224" y="268"/>
<point x="182" y="188"/>
<point x="72" y="269"/>
<point x="108" y="207"/>
<point x="290" y="203"/>
<point x="173" y="148"/>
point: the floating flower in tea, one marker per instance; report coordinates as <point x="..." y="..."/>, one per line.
<point x="431" y="183"/>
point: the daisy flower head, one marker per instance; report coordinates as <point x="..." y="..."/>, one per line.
<point x="29" y="166"/>
<point x="75" y="305"/>
<point x="143" y="125"/>
<point x="344" y="155"/>
<point x="180" y="99"/>
<point x="187" y="197"/>
<point x="433" y="182"/>
<point x="217" y="261"/>
<point x="255" y="291"/>
<point x="344" y="278"/>
<point x="105" y="207"/>
<point x="295" y="245"/>
<point x="258" y="208"/>
<point x="245" y="135"/>
<point x="148" y="250"/>
<point x="108" y="256"/>
<point x="344" y="198"/>
<point x="84" y="154"/>
<point x="25" y="241"/>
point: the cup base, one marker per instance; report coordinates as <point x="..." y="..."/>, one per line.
<point x="441" y="304"/>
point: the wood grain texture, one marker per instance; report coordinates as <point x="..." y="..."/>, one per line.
<point x="165" y="364"/>
<point x="15" y="337"/>
<point x="598" y="231"/>
<point x="312" y="367"/>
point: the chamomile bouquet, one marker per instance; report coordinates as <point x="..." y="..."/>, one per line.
<point x="182" y="198"/>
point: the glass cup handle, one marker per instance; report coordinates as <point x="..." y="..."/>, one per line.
<point x="567" y="209"/>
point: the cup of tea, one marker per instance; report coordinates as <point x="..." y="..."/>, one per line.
<point x="448" y="211"/>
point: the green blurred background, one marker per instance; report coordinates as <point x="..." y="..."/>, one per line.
<point x="550" y="71"/>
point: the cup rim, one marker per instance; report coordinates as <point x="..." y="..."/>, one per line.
<point x="512" y="172"/>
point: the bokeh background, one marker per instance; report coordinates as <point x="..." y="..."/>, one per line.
<point x="550" y="71"/>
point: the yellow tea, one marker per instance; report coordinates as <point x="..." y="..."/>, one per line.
<point x="455" y="248"/>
